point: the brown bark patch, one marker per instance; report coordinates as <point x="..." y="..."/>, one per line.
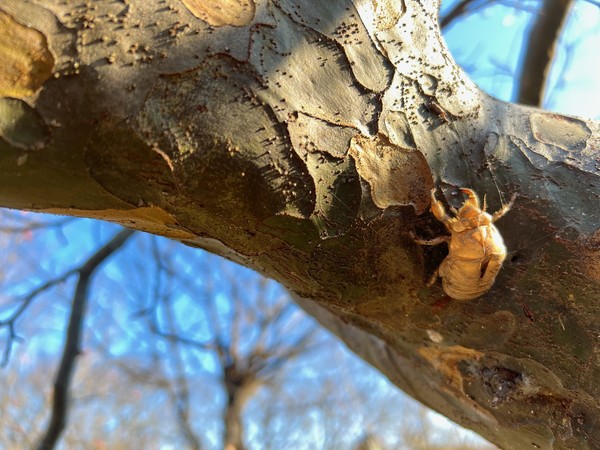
<point x="397" y="176"/>
<point x="218" y="13"/>
<point x="446" y="360"/>
<point x="590" y="257"/>
<point x="25" y="59"/>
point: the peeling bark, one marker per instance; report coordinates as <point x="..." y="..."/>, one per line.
<point x="301" y="138"/>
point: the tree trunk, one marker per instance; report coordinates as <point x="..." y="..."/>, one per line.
<point x="233" y="429"/>
<point x="240" y="386"/>
<point x="302" y="139"/>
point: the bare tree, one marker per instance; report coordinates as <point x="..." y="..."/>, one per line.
<point x="252" y="337"/>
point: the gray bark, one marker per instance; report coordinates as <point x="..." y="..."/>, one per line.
<point x="302" y="139"/>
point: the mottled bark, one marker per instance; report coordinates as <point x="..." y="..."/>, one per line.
<point x="302" y="139"/>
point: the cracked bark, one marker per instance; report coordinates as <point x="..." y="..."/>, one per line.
<point x="299" y="138"/>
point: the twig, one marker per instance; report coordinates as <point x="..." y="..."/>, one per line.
<point x="459" y="10"/>
<point x="11" y="321"/>
<point x="180" y="390"/>
<point x="35" y="226"/>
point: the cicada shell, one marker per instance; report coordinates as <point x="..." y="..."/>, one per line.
<point x="476" y="248"/>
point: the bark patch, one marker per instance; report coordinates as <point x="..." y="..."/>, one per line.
<point x="218" y="13"/>
<point x="309" y="73"/>
<point x="450" y="362"/>
<point x="150" y="219"/>
<point x="446" y="361"/>
<point x="25" y="58"/>
<point x="590" y="257"/>
<point x="388" y="13"/>
<point x="339" y="20"/>
<point x="397" y="176"/>
<point x="21" y="125"/>
<point x="567" y="133"/>
<point x="225" y="147"/>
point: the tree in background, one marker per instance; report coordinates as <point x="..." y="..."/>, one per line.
<point x="318" y="177"/>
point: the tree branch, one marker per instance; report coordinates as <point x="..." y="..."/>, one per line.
<point x="179" y="390"/>
<point x="538" y="54"/>
<point x="60" y="403"/>
<point x="462" y="8"/>
<point x="25" y="302"/>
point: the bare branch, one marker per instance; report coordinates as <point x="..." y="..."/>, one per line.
<point x="462" y="8"/>
<point x="25" y="303"/>
<point x="593" y="2"/>
<point x="152" y="311"/>
<point x="180" y="391"/>
<point x="60" y="404"/>
<point x="540" y="50"/>
<point x="177" y="338"/>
